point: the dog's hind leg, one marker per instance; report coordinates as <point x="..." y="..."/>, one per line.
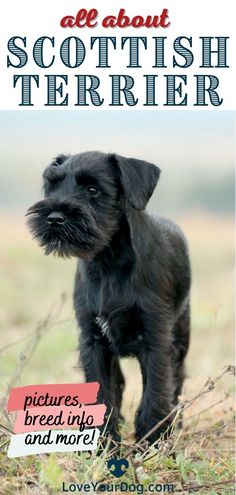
<point x="117" y="385"/>
<point x="156" y="366"/>
<point x="180" y="349"/>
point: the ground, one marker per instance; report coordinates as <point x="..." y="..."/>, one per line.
<point x="35" y="349"/>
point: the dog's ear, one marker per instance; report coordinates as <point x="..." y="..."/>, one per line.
<point x="138" y="180"/>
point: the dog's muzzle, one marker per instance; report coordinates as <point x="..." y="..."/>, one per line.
<point x="67" y="228"/>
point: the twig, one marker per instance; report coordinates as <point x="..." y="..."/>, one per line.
<point x="207" y="485"/>
<point x="25" y="356"/>
<point x="207" y="408"/>
<point x="135" y="474"/>
<point x="32" y="334"/>
<point x="4" y="443"/>
<point x="6" y="430"/>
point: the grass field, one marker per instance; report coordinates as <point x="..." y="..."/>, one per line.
<point x="34" y="350"/>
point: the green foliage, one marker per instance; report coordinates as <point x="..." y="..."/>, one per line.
<point x="51" y="474"/>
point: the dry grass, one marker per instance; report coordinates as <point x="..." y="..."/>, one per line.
<point x="32" y="286"/>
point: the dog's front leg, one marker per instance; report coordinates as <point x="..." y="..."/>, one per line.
<point x="156" y="367"/>
<point x="96" y="360"/>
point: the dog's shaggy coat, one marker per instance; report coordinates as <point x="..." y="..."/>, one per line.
<point x="132" y="284"/>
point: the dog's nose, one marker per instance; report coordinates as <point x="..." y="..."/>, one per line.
<point x="56" y="218"/>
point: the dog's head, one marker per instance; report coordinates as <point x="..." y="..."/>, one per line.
<point x="86" y="195"/>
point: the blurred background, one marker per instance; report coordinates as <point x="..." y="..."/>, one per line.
<point x="195" y="151"/>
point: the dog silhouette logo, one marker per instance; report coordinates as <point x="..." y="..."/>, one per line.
<point x="118" y="467"/>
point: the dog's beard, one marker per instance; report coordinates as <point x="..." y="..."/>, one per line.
<point x="80" y="235"/>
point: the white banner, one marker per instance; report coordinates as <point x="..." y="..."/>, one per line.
<point x="158" y="55"/>
<point x="42" y="442"/>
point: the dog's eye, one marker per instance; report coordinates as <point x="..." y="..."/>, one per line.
<point x="93" y="191"/>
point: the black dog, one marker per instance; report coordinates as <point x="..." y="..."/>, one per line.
<point x="132" y="285"/>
